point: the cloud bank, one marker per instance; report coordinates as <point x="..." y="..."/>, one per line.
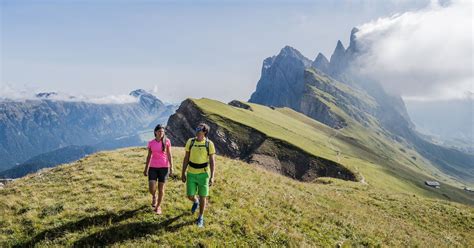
<point x="10" y="93"/>
<point x="425" y="55"/>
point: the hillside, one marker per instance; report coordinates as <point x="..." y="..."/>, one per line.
<point x="46" y="160"/>
<point x="72" y="153"/>
<point x="277" y="139"/>
<point x="103" y="200"/>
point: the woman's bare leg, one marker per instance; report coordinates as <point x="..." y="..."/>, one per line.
<point x="161" y="193"/>
<point x="152" y="189"/>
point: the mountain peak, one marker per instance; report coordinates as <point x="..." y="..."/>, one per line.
<point x="321" y="58"/>
<point x="46" y="95"/>
<point x="289" y="49"/>
<point x="321" y="63"/>
<point x="146" y="98"/>
<point x="291" y="52"/>
<point x="139" y="92"/>
<point x="337" y="58"/>
<point x="353" y="31"/>
<point x="282" y="75"/>
<point x="339" y="46"/>
<point x="352" y="43"/>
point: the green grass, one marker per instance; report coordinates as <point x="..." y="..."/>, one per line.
<point x="376" y="158"/>
<point x="103" y="200"/>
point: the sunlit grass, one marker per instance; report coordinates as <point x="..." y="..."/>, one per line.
<point x="103" y="200"/>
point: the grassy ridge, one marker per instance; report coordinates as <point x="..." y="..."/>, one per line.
<point x="103" y="200"/>
<point x="379" y="160"/>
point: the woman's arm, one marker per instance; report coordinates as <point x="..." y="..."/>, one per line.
<point x="145" y="172"/>
<point x="170" y="159"/>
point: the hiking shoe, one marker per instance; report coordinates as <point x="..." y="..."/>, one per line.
<point x="200" y="222"/>
<point x="194" y="207"/>
<point x="158" y="210"/>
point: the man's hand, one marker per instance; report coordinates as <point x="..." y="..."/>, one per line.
<point x="183" y="177"/>
<point x="211" y="181"/>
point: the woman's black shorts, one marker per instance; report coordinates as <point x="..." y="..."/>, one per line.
<point x="158" y="173"/>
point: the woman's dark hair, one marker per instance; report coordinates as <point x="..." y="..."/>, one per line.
<point x="163" y="139"/>
<point x="205" y="128"/>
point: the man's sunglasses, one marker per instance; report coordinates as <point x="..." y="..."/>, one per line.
<point x="198" y="129"/>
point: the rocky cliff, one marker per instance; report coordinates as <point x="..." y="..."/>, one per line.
<point x="236" y="140"/>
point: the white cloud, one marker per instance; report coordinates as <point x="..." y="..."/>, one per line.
<point x="422" y="55"/>
<point x="7" y="92"/>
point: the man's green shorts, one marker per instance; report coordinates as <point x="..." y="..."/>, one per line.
<point x="197" y="183"/>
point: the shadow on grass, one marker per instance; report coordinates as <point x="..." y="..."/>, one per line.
<point x="129" y="231"/>
<point x="81" y="224"/>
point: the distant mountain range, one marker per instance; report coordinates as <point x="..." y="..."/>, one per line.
<point x="37" y="127"/>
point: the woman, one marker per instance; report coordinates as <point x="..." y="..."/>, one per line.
<point x="159" y="164"/>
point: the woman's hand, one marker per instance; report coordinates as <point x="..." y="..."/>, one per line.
<point x="171" y="171"/>
<point x="145" y="173"/>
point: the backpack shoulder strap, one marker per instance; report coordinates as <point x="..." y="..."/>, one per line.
<point x="207" y="146"/>
<point x="192" y="144"/>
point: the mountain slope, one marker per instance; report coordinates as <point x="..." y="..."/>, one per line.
<point x="103" y="200"/>
<point x="71" y="153"/>
<point x="32" y="127"/>
<point x="276" y="138"/>
<point x="60" y="156"/>
<point x="254" y="135"/>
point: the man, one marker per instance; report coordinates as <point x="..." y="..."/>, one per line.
<point x="199" y="161"/>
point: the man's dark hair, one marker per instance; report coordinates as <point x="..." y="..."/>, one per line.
<point x="205" y="128"/>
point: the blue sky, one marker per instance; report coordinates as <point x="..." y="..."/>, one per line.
<point x="181" y="49"/>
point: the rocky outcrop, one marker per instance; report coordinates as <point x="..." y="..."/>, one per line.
<point x="285" y="82"/>
<point x="292" y="161"/>
<point x="282" y="79"/>
<point x="238" y="141"/>
<point x="240" y="104"/>
<point x="313" y="107"/>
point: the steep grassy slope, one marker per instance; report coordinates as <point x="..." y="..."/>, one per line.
<point x="381" y="162"/>
<point x="102" y="200"/>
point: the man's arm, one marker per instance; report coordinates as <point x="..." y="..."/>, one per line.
<point x="185" y="165"/>
<point x="212" y="165"/>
